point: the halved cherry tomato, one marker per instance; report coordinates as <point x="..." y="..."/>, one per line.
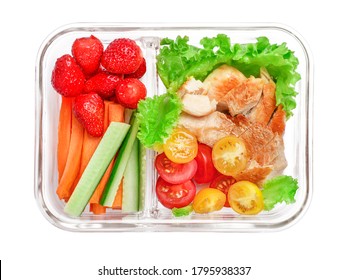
<point x="208" y="200"/>
<point x="178" y="195"/>
<point x="175" y="173"/>
<point x="181" y="146"/>
<point x="205" y="167"/>
<point x="230" y="155"/>
<point x="223" y="183"/>
<point x="245" y="198"/>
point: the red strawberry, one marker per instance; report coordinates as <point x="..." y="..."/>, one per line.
<point x="89" y="110"/>
<point x="102" y="83"/>
<point x="67" y="77"/>
<point x="139" y="72"/>
<point x="129" y="92"/>
<point x="122" y="56"/>
<point x="88" y="51"/>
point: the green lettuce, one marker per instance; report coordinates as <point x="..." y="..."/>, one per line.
<point x="179" y="60"/>
<point x="182" y="212"/>
<point x="279" y="189"/>
<point x="157" y="117"/>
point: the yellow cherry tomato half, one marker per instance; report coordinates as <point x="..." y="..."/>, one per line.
<point x="230" y="155"/>
<point x="208" y="200"/>
<point x="181" y="146"/>
<point x="245" y="198"/>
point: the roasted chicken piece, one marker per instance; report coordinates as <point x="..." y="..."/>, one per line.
<point x="266" y="154"/>
<point x="232" y="90"/>
<point x="194" y="98"/>
<point x="270" y="151"/>
<point x="198" y="105"/>
<point x="266" y="112"/>
<point x="244" y="97"/>
<point x="256" y="137"/>
<point x="253" y="116"/>
<point x="192" y="86"/>
<point x="265" y="148"/>
<point x="277" y="122"/>
<point x="221" y="81"/>
<point x="254" y="173"/>
<point x="209" y="129"/>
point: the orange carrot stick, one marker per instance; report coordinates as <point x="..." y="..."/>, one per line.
<point x="118" y="198"/>
<point x="64" y="134"/>
<point x="106" y="114"/>
<point x="97" y="209"/>
<point x="116" y="114"/>
<point x="73" y="161"/>
<point x="100" y="188"/>
<point x="89" y="146"/>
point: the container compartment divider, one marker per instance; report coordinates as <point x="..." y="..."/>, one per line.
<point x="150" y="79"/>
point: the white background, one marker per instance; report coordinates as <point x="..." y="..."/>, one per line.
<point x="31" y="248"/>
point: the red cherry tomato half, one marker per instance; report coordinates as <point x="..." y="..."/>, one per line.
<point x="175" y="173"/>
<point x="223" y="183"/>
<point x="175" y="195"/>
<point x="205" y="167"/>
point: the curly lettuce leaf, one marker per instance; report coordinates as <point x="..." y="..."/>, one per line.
<point x="157" y="117"/>
<point x="279" y="189"/>
<point x="179" y="60"/>
<point x="182" y="212"/>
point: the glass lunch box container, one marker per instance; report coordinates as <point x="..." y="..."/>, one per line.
<point x="153" y="216"/>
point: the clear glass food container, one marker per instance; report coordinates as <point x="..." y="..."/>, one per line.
<point x="153" y="216"/>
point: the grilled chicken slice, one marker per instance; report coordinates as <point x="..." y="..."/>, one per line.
<point x="209" y="129"/>
<point x="244" y="97"/>
<point x="241" y="122"/>
<point x="232" y="90"/>
<point x="256" y="137"/>
<point x="198" y="105"/>
<point x="264" y="110"/>
<point x="254" y="173"/>
<point x="192" y="86"/>
<point x="277" y="122"/>
<point x="254" y="117"/>
<point x="269" y="152"/>
<point x="265" y="148"/>
<point x="221" y="81"/>
<point x="195" y="99"/>
<point x="279" y="164"/>
<point x="273" y="154"/>
<point x="268" y="159"/>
